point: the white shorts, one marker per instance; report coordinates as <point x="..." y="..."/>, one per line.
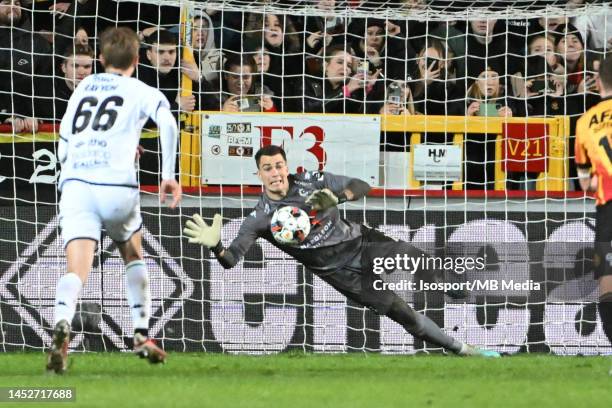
<point x="86" y="208"/>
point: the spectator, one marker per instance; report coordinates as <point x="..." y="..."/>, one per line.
<point x="398" y="99"/>
<point x="77" y="63"/>
<point x="415" y="31"/>
<point x="160" y="70"/>
<point x="546" y="94"/>
<point x="509" y="37"/>
<point x="485" y="47"/>
<point x="539" y="46"/>
<point x="369" y="41"/>
<point x="238" y="90"/>
<point x="25" y="69"/>
<point x="434" y="87"/>
<point x="322" y="31"/>
<point x="261" y="57"/>
<point x="548" y="24"/>
<point x="447" y="32"/>
<point x="383" y="45"/>
<point x="590" y="86"/>
<point x="519" y="31"/>
<point x="67" y="36"/>
<point x="544" y="45"/>
<point x="279" y="36"/>
<point x="262" y="78"/>
<point x="338" y="90"/>
<point x="207" y="56"/>
<point x="228" y="27"/>
<point x="570" y="46"/>
<point x="596" y="29"/>
<point x="544" y="91"/>
<point x="485" y="97"/>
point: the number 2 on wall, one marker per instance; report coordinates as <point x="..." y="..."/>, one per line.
<point x="52" y="165"/>
<point x="36" y="176"/>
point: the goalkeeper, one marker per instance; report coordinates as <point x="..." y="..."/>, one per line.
<point x="338" y="251"/>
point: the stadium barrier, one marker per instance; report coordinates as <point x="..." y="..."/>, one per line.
<point x="522" y="144"/>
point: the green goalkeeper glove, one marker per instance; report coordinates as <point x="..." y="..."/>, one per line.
<point x="201" y="233"/>
<point x="323" y="199"/>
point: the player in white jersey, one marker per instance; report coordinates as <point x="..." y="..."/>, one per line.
<point x="98" y="140"/>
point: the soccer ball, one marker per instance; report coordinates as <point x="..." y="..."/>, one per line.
<point x="290" y="225"/>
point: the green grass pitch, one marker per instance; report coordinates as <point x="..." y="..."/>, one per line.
<point x="118" y="380"/>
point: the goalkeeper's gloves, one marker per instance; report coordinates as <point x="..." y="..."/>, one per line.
<point x="201" y="233"/>
<point x="321" y="200"/>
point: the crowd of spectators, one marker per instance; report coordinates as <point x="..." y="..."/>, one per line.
<point x="248" y="61"/>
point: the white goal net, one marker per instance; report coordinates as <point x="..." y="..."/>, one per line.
<point x="460" y="114"/>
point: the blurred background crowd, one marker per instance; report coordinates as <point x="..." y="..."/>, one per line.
<point x="317" y="62"/>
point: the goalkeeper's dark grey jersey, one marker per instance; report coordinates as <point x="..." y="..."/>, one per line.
<point x="332" y="241"/>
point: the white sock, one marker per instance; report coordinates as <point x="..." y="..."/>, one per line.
<point x="66" y="296"/>
<point x="138" y="293"/>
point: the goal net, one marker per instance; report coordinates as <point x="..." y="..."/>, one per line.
<point x="460" y="114"/>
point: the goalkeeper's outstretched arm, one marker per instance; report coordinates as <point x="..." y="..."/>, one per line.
<point x="199" y="232"/>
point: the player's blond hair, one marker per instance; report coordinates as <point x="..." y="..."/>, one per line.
<point x="119" y="47"/>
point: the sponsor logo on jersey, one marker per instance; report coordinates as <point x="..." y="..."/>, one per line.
<point x="605" y="115"/>
<point x="22" y="61"/>
<point x="242" y="127"/>
<point x="245" y="151"/>
<point x="302" y="183"/>
<point x="214" y="131"/>
<point x="215" y="149"/>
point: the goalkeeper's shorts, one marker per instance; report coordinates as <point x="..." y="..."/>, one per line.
<point x="356" y="279"/>
<point x="86" y="208"/>
<point x="603" y="240"/>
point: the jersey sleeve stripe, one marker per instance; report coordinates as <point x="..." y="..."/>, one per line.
<point x="156" y="109"/>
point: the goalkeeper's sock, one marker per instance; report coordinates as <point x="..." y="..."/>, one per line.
<point x="138" y="294"/>
<point x="421" y="326"/>
<point x="66" y="296"/>
<point x="427" y="330"/>
<point x="605" y="313"/>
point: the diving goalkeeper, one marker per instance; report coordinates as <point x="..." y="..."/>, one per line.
<point x="338" y="251"/>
